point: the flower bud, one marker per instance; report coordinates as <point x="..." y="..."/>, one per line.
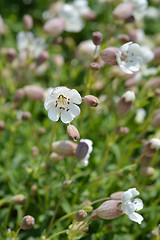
<point x="157" y="91"/>
<point x="57" y="40"/>
<point x="18" y="199"/>
<point x="108" y="55"/>
<point x="2" y="125"/>
<point x="81" y="215"/>
<point x="147" y="171"/>
<point x="54" y="157"/>
<point x="54" y="26"/>
<point x="122" y="131"/>
<point x="130" y="19"/>
<point x="34" y="189"/>
<point x="64" y="148"/>
<point x="42" y="57"/>
<point x="97" y="38"/>
<point x="34" y="92"/>
<point x="27" y="22"/>
<point x="91" y="15"/>
<point x="98" y="86"/>
<point x="19" y="95"/>
<point x="81" y="150"/>
<point x="72" y="133"/>
<point x="154" y="234"/>
<point x="11" y="54"/>
<point x="116" y="195"/>
<point x="123" y="11"/>
<point x="1" y="26"/>
<point x="151" y="147"/>
<point x="91" y="100"/>
<point x="125" y="103"/>
<point x="124" y="38"/>
<point x="27" y="222"/>
<point x="153" y="83"/>
<point x="58" y="60"/>
<point x="26" y="116"/>
<point x="35" y="151"/>
<point x="67" y="183"/>
<point x="109" y="210"/>
<point x="156" y="120"/>
<point x="41" y="130"/>
<point x="157" y="55"/>
<point x="130" y="82"/>
<point x="95" y="66"/>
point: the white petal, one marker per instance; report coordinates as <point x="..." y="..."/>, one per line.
<point x="136" y="217"/>
<point x="134" y="192"/>
<point x="89" y="143"/>
<point x="135" y="49"/>
<point x="124" y="47"/>
<point x="126" y="196"/>
<point x="74" y="110"/>
<point x="128" y="208"/>
<point x="53" y="113"/>
<point x="75" y="96"/>
<point x="50" y="101"/>
<point x="138" y="204"/>
<point x="66" y="117"/>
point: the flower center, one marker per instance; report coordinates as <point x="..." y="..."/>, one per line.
<point x="62" y="102"/>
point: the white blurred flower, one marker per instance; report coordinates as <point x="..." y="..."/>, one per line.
<point x="139" y="5"/>
<point x="147" y="54"/>
<point x="81" y="6"/>
<point x="89" y="143"/>
<point x="140" y="115"/>
<point x="155" y="143"/>
<point x="152" y="13"/>
<point x="72" y="18"/>
<point x="129" y="96"/>
<point x="87" y="48"/>
<point x="130" y="205"/>
<point x="130" y="57"/>
<point x="27" y="41"/>
<point x="62" y="102"/>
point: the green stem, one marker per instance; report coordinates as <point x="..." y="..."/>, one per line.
<point x="17" y="232"/>
<point x="51" y="140"/>
<point x="57" y="234"/>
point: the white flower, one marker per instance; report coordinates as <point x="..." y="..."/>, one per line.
<point x="84" y="161"/>
<point x="62" y="101"/>
<point x="140" y="115"/>
<point x="129" y="96"/>
<point x="72" y="18"/>
<point x="140" y="5"/>
<point x="130" y="57"/>
<point x="87" y="48"/>
<point x="81" y="6"/>
<point x="130" y="205"/>
<point x="155" y="143"/>
<point x="147" y="54"/>
<point x="27" y="41"/>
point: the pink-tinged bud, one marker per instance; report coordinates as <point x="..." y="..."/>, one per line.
<point x="27" y="222"/>
<point x="151" y="147"/>
<point x="57" y="40"/>
<point x="157" y="91"/>
<point x="64" y="148"/>
<point x="157" y="55"/>
<point x="58" y="60"/>
<point x="91" y="15"/>
<point x="116" y="195"/>
<point x="109" y="210"/>
<point x="72" y="133"/>
<point x="145" y="161"/>
<point x="122" y="131"/>
<point x="125" y="103"/>
<point x="147" y="171"/>
<point x="42" y="57"/>
<point x="19" y="95"/>
<point x="34" y="151"/>
<point x="2" y="125"/>
<point x="95" y="66"/>
<point x="1" y="26"/>
<point x="98" y="86"/>
<point x="27" y="21"/>
<point x="154" y="83"/>
<point x="156" y="119"/>
<point x="67" y="183"/>
<point x="34" y="189"/>
<point x="81" y="150"/>
<point x="81" y="215"/>
<point x="54" y="26"/>
<point x="97" y="38"/>
<point x="91" y="100"/>
<point x="11" y="54"/>
<point x="33" y="92"/>
<point x="54" y="157"/>
<point x="108" y="55"/>
<point x="41" y="131"/>
<point x="131" y="19"/>
<point x="26" y="116"/>
<point x="123" y="11"/>
<point x="18" y="199"/>
<point x="124" y="38"/>
<point x="154" y="234"/>
<point x="131" y="82"/>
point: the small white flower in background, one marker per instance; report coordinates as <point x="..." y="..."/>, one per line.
<point x="72" y="18"/>
<point x="139" y="5"/>
<point x="152" y="12"/>
<point x="129" y="96"/>
<point x="147" y="54"/>
<point x="27" y="41"/>
<point x="87" y="48"/>
<point x="140" y="115"/>
<point x="130" y="205"/>
<point x="85" y="161"/>
<point x="155" y="143"/>
<point x="81" y="6"/>
<point x="130" y="57"/>
<point x="62" y="101"/>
